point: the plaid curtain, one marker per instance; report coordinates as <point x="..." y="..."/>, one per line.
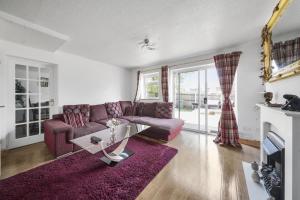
<point x="137" y="86"/>
<point x="285" y="53"/>
<point x="164" y="83"/>
<point x="226" y="65"/>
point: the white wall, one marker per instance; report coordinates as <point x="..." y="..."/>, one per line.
<point x="79" y="80"/>
<point x="248" y="85"/>
<point x="249" y="88"/>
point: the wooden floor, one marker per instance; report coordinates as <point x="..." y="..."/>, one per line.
<point x="201" y="169"/>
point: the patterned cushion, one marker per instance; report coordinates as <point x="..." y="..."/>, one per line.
<point x="113" y="109"/>
<point x="74" y="119"/>
<point x="84" y="109"/>
<point x="164" y="110"/>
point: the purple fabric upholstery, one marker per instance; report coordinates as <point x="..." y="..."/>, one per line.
<point x="74" y="119"/>
<point x="138" y="108"/>
<point x="98" y="112"/>
<point x="84" y="109"/>
<point x="125" y="105"/>
<point x="103" y="121"/>
<point x="134" y="119"/>
<point x="58" y="117"/>
<point x="161" y="129"/>
<point x="113" y="109"/>
<point x="57" y="134"/>
<point x="89" y="128"/>
<point x="147" y="109"/>
<point x="164" y="110"/>
<point x="162" y="134"/>
<point x="166" y="124"/>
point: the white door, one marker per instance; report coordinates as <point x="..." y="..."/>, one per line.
<point x="32" y="99"/>
<point x="2" y="103"/>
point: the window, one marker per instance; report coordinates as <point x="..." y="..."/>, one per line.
<point x="151" y="86"/>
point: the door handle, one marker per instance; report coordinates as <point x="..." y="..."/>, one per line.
<point x="2" y="106"/>
<point x="205" y="100"/>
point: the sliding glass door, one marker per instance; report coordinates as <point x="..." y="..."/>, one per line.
<point x="197" y="98"/>
<point x="187" y="98"/>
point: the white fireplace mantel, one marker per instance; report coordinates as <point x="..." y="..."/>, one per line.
<point x="286" y="124"/>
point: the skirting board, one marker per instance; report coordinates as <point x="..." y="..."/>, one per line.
<point x="255" y="190"/>
<point x="253" y="143"/>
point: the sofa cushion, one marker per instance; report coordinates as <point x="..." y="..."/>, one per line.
<point x="135" y="108"/>
<point x="104" y="121"/>
<point x="74" y="119"/>
<point x="134" y="119"/>
<point x="147" y="109"/>
<point x="89" y="128"/>
<point x="84" y="109"/>
<point x="129" y="111"/>
<point x="98" y="112"/>
<point x="126" y="105"/>
<point x="113" y="109"/>
<point x="164" y="110"/>
<point x="166" y="124"/>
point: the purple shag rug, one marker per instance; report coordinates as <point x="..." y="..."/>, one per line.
<point x="84" y="176"/>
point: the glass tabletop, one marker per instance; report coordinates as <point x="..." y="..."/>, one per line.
<point x="108" y="139"/>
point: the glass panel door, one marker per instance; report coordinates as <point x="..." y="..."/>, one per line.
<point x="32" y="97"/>
<point x="188" y="98"/>
<point x="214" y="99"/>
<point x="198" y="98"/>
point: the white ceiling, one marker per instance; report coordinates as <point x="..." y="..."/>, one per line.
<point x="109" y="30"/>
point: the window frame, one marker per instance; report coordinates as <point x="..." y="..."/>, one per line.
<point x="143" y="85"/>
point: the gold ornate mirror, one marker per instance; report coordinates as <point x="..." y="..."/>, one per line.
<point x="280" y="37"/>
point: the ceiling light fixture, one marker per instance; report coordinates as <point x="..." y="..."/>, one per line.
<point x="146" y="44"/>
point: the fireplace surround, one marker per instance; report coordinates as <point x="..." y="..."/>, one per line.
<point x="286" y="125"/>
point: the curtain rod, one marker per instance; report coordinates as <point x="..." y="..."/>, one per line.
<point x="176" y="65"/>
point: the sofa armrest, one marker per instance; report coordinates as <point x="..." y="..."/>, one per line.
<point x="58" y="117"/>
<point x="56" y="127"/>
<point x="57" y="137"/>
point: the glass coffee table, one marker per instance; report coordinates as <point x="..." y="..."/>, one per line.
<point x="109" y="137"/>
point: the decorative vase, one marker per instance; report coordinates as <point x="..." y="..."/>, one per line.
<point x="254" y="166"/>
<point x="268" y="97"/>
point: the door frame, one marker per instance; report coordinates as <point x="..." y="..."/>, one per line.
<point x="11" y="141"/>
<point x="198" y="69"/>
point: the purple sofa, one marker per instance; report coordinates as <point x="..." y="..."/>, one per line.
<point x="58" y="133"/>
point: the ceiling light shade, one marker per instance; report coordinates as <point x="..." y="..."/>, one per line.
<point x="146" y="44"/>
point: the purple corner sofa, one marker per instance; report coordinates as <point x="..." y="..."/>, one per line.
<point x="58" y="134"/>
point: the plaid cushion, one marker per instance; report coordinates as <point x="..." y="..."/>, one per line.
<point x="114" y="109"/>
<point x="164" y="110"/>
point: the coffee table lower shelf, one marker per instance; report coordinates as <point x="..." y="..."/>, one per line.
<point x="125" y="154"/>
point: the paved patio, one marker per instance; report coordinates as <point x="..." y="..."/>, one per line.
<point x="191" y="118"/>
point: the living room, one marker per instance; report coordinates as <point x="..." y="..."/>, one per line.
<point x="149" y="99"/>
